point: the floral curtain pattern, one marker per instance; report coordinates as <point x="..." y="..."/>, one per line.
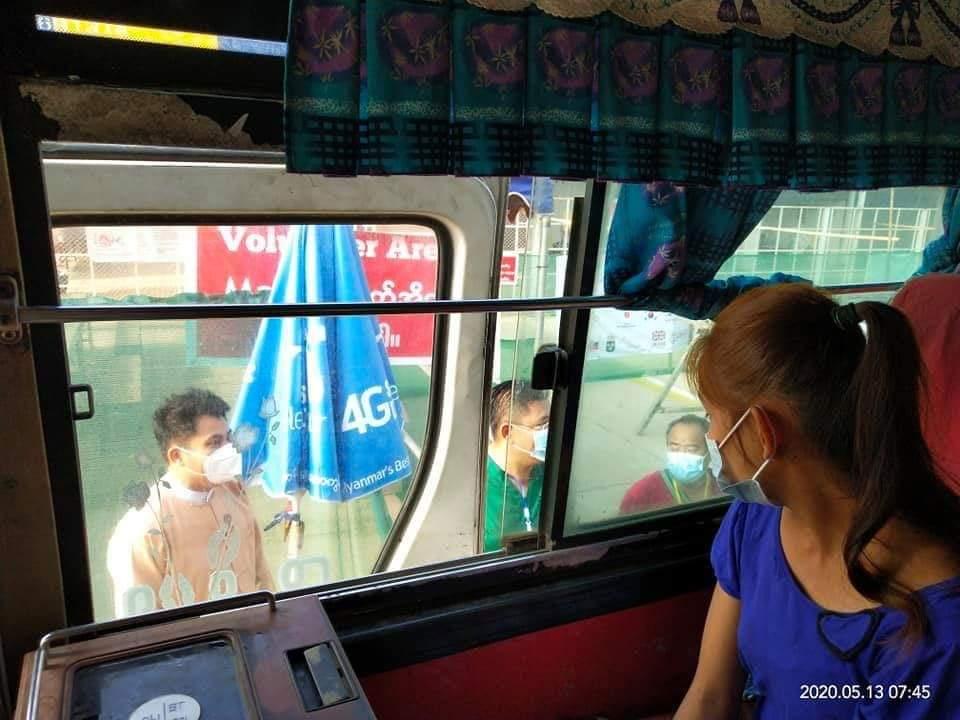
<point x="906" y="28"/>
<point x="667" y="242"/>
<point x="405" y="87"/>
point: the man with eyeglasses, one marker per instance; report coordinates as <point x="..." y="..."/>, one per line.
<point x="519" y="418"/>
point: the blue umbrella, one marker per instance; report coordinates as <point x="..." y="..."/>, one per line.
<point x="319" y="413"/>
<point x="537" y="192"/>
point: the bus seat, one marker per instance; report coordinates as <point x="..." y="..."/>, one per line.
<point x="932" y="304"/>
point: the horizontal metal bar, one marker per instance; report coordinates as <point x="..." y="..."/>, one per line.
<point x="54" y="314"/>
<point x="156" y="153"/>
<point x="863" y="288"/>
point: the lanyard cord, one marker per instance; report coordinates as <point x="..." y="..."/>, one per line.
<point x="524" y="505"/>
<point x="678" y="495"/>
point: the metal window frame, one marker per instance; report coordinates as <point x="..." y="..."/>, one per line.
<point x="680" y="519"/>
<point x="440" y="330"/>
<point x="574" y="325"/>
<point x="70" y="527"/>
<point x="45" y="312"/>
<point x="22" y="128"/>
<point x="57" y="313"/>
<point x="582" y="261"/>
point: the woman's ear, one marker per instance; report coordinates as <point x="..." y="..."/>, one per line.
<point x="768" y="431"/>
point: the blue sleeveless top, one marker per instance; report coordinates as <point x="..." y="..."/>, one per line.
<point x="806" y="662"/>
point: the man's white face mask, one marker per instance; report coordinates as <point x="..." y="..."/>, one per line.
<point x="223" y="465"/>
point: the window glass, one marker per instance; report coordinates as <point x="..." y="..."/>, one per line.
<point x="639" y="442"/>
<point x="844" y="237"/>
<point x="328" y="415"/>
<point x="537" y="236"/>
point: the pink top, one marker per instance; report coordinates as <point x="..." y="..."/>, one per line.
<point x="649" y="493"/>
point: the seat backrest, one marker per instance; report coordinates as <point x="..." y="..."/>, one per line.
<point x="932" y="304"/>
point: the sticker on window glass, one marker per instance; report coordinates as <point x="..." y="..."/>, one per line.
<point x="168" y="707"/>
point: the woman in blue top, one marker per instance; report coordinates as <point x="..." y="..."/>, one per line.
<point x="838" y="567"/>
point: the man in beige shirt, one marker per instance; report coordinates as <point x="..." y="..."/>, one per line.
<point x="194" y="537"/>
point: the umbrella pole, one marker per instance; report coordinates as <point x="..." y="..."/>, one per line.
<point x="294" y="534"/>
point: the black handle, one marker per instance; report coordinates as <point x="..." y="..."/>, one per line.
<point x="549" y="368"/>
<point x="76" y="390"/>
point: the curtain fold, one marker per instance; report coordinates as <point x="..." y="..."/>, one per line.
<point x="703" y="301"/>
<point x="666" y="244"/>
<point x="416" y="87"/>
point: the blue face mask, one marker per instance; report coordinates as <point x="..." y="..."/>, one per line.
<point x="745" y="490"/>
<point x="539" y="435"/>
<point x="684" y="467"/>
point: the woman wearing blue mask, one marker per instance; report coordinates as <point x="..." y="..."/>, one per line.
<point x="838" y="565"/>
<point x="685" y="476"/>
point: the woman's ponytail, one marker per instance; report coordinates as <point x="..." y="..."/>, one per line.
<point x="892" y="471"/>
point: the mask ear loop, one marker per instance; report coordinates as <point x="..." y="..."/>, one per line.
<point x="736" y="425"/>
<point x="773" y="430"/>
<point x="183" y="464"/>
<point x="761" y="468"/>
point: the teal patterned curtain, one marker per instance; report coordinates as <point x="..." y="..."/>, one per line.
<point x="667" y="242"/>
<point x="404" y="87"/>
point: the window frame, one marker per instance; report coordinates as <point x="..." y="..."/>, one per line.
<point x="583" y="279"/>
<point x="582" y="264"/>
<point x="70" y="526"/>
<point x="440" y="328"/>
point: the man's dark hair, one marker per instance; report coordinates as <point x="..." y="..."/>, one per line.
<point x="177" y="417"/>
<point x="522" y="396"/>
<point x="690" y="420"/>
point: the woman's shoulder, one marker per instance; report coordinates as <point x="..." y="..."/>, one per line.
<point x="743" y="543"/>
<point x="751" y="519"/>
<point x="942" y="603"/>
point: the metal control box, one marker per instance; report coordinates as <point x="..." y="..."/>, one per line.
<point x="244" y="658"/>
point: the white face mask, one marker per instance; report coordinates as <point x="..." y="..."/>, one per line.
<point x="539" y="435"/>
<point x="745" y="490"/>
<point x="223" y="465"/>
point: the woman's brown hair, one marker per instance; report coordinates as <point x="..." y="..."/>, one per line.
<point x="856" y="396"/>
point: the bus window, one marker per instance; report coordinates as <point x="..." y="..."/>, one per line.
<point x="148" y="546"/>
<point x="639" y="444"/>
<point x="842" y="238"/>
<point x="537" y="232"/>
<point x="533" y="264"/>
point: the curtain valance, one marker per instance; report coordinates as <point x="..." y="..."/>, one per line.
<point x="905" y="28"/>
<point x="403" y="87"/>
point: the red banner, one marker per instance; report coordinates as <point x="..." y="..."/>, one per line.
<point x="508" y="269"/>
<point x="400" y="263"/>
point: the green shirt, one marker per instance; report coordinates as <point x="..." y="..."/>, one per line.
<point x="503" y="505"/>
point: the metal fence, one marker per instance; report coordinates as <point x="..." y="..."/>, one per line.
<point x="837" y="245"/>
